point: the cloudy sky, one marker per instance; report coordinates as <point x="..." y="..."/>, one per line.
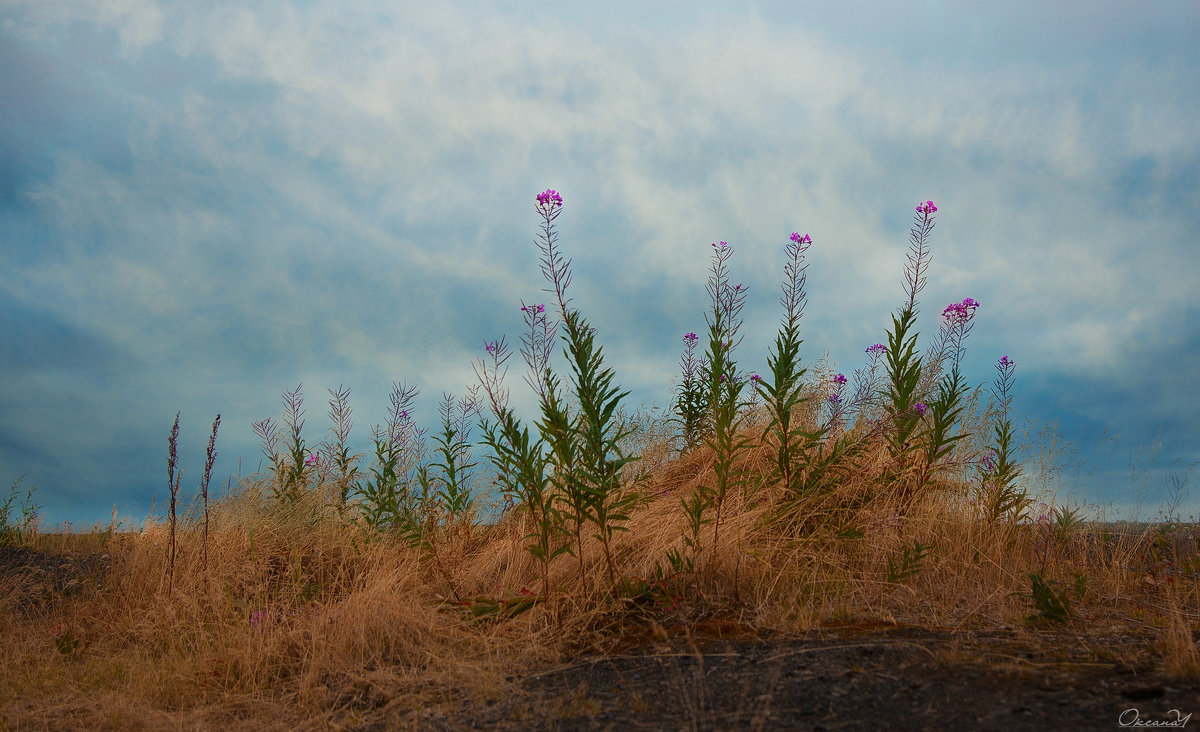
<point x="203" y="204"/>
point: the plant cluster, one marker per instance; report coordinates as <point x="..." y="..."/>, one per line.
<point x="569" y="473"/>
<point x="787" y="499"/>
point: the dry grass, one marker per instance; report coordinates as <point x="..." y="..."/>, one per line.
<point x="302" y="622"/>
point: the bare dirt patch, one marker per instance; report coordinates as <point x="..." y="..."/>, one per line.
<point x="898" y="679"/>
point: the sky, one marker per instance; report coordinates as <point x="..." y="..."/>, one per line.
<point x="204" y="204"/>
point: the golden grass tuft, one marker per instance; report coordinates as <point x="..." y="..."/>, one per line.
<point x="303" y="621"/>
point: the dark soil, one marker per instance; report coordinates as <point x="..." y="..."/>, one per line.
<point x="899" y="679"/>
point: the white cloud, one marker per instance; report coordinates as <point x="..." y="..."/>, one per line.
<point x="356" y="176"/>
<point x="138" y="23"/>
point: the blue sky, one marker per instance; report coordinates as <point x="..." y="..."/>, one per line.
<point x="203" y="204"/>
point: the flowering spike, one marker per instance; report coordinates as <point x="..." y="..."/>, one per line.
<point x="549" y="199"/>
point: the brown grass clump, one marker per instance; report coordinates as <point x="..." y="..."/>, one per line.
<point x="302" y="620"/>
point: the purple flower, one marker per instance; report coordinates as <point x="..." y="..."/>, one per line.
<point x="533" y="308"/>
<point x="755" y="377"/>
<point x="806" y="239"/>
<point x="549" y="199"/>
<point x="989" y="460"/>
<point x="960" y="311"/>
<point x="835" y="398"/>
<point x="839" y="378"/>
<point x="723" y="245"/>
<point x="877" y="348"/>
<point x="691" y="337"/>
<point x="920" y="408"/>
<point x="926" y="208"/>
<point x="1005" y="361"/>
<point x="311" y="459"/>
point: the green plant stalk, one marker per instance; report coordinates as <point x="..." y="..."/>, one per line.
<point x="1002" y="497"/>
<point x="724" y="386"/>
<point x="783" y="394"/>
<point x="585" y="449"/>
<point x="295" y="480"/>
<point x="521" y="464"/>
<point x="600" y="434"/>
<point x="691" y="401"/>
<point x="903" y="373"/>
<point x="455" y="493"/>
<point x="1005" y="498"/>
<point x="1050" y="605"/>
<point x="345" y="463"/>
<point x="944" y="411"/>
<point x="559" y="431"/>
<point x="908" y="563"/>
<point x="381" y="496"/>
<point x="903" y="363"/>
<point x="694" y="507"/>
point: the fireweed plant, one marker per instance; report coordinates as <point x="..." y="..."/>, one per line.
<point x="805" y="461"/>
<point x="914" y="453"/>
<point x="783" y="391"/>
<point x="587" y="455"/>
<point x="521" y="462"/>
<point x="369" y="577"/>
<point x="946" y="406"/>
<point x="866" y="379"/>
<point x="453" y="446"/>
<point x="691" y="396"/>
<point x="291" y="471"/>
<point x="569" y="473"/>
<point x="1001" y="496"/>
<point x="726" y="408"/>
<point x="388" y="499"/>
<point x="342" y="464"/>
<point x="572" y="475"/>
